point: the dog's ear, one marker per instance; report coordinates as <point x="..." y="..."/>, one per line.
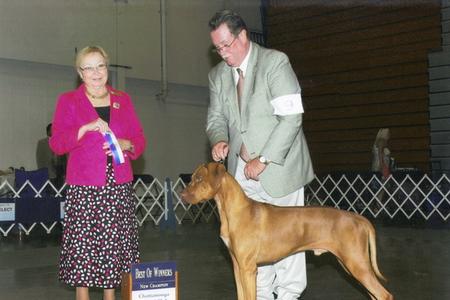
<point x="216" y="170"/>
<point x="220" y="170"/>
<point x="198" y="168"/>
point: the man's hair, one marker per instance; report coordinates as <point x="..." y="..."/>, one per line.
<point x="233" y="20"/>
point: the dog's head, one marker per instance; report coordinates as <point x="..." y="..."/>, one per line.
<point x="205" y="183"/>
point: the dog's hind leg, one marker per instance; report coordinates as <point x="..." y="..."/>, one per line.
<point x="373" y="285"/>
<point x="361" y="270"/>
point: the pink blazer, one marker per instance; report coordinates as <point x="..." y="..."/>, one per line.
<point x="86" y="158"/>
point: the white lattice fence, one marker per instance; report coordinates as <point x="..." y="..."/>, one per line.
<point x="39" y="203"/>
<point x="409" y="196"/>
<point x="150" y="201"/>
<point x="191" y="213"/>
<point x="150" y="198"/>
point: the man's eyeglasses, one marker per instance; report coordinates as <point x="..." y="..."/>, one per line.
<point x="219" y="49"/>
<point x="91" y="69"/>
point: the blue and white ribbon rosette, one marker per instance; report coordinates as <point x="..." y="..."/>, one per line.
<point x="114" y="147"/>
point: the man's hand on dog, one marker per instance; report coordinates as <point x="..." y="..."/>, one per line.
<point x="220" y="151"/>
<point x="253" y="167"/>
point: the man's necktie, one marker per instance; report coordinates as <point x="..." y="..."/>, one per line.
<point x="240" y="86"/>
<point x="243" y="153"/>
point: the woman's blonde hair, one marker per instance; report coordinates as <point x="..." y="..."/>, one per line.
<point x="87" y="50"/>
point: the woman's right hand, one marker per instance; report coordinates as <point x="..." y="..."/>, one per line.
<point x="96" y="125"/>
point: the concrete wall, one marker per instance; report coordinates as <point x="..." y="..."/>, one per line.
<point x="48" y="31"/>
<point x="38" y="41"/>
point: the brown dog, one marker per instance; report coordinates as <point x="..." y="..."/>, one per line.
<point x="257" y="233"/>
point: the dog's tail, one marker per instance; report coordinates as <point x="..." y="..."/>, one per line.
<point x="373" y="252"/>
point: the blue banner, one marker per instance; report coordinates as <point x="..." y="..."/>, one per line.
<point x="114" y="147"/>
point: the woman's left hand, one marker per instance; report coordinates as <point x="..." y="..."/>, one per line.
<point x="124" y="144"/>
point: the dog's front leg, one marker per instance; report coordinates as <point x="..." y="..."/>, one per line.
<point x="248" y="279"/>
<point x="237" y="278"/>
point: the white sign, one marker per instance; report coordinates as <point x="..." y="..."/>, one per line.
<point x="7" y="211"/>
<point x="159" y="294"/>
<point x="154" y="281"/>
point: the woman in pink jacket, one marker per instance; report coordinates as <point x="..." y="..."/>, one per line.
<point x="98" y="128"/>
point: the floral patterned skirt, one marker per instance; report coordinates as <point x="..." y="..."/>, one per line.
<point x="99" y="234"/>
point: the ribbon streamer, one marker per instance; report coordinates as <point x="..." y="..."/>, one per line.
<point x="114" y="147"/>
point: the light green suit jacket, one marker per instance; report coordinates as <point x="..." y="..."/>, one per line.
<point x="279" y="138"/>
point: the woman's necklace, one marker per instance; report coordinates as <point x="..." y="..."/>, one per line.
<point x="97" y="97"/>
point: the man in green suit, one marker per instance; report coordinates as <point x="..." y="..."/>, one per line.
<point x="255" y="121"/>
